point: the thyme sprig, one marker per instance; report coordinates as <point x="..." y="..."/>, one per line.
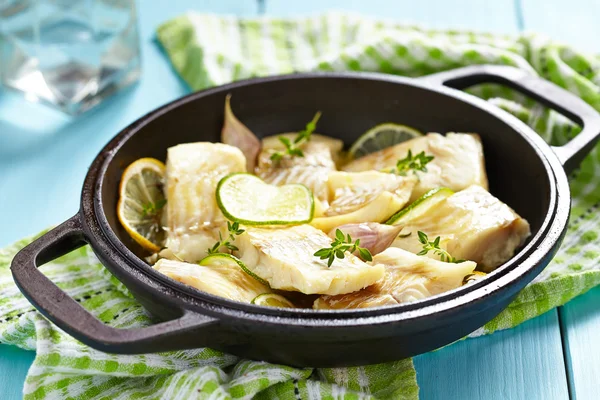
<point x="435" y="247"/>
<point x="339" y="246"/>
<point x="292" y="148"/>
<point x="412" y="163"/>
<point x="234" y="230"/>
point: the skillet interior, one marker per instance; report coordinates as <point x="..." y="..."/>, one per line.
<point x="350" y="106"/>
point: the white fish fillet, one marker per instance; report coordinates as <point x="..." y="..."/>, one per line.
<point x="369" y="196"/>
<point x="312" y="170"/>
<point x="473" y="225"/>
<point x="193" y="216"/>
<point x="221" y="280"/>
<point x="458" y="161"/>
<point x="408" y="278"/>
<point x="284" y="258"/>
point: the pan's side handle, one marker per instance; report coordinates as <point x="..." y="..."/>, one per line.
<point x="70" y="316"/>
<point x="547" y="93"/>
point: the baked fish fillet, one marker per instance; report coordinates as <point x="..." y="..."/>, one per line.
<point x="458" y="161"/>
<point x="193" y="218"/>
<point x="369" y="196"/>
<point x="473" y="225"/>
<point x="408" y="277"/>
<point x="284" y="258"/>
<point x="312" y="170"/>
<point x="221" y="280"/>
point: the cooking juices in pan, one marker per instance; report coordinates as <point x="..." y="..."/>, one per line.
<point x="295" y="221"/>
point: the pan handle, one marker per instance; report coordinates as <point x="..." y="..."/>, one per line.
<point x="547" y="93"/>
<point x="70" y="316"/>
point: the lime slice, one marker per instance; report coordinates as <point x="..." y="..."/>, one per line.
<point x="249" y="200"/>
<point x="272" y="300"/>
<point x="227" y="260"/>
<point x="141" y="202"/>
<point x="381" y="136"/>
<point x="420" y="206"/>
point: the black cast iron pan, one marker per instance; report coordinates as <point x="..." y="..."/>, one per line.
<point x="523" y="171"/>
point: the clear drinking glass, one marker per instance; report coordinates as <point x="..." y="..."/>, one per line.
<point x="70" y="54"/>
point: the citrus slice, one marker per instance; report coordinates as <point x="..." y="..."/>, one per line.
<point x="420" y="206"/>
<point x="141" y="202"/>
<point x="227" y="260"/>
<point x="247" y="199"/>
<point x="473" y="277"/>
<point x="272" y="300"/>
<point x="381" y="136"/>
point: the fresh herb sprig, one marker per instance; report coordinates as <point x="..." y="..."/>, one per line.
<point x="412" y="163"/>
<point x="435" y="247"/>
<point x="292" y="148"/>
<point x="151" y="209"/>
<point x="340" y="245"/>
<point x="234" y="230"/>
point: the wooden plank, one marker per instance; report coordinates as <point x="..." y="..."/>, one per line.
<point x="574" y="22"/>
<point x="580" y="323"/>
<point x="44" y="156"/>
<point x="492" y="16"/>
<point x="14" y="364"/>
<point x="525" y="362"/>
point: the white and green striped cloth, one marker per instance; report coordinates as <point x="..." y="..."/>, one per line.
<point x="210" y="50"/>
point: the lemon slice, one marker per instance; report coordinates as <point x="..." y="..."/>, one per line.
<point x="272" y="300"/>
<point x="141" y="202"/>
<point x="420" y="206"/>
<point x="473" y="277"/>
<point x="227" y="260"/>
<point x="381" y="136"/>
<point x="247" y="199"/>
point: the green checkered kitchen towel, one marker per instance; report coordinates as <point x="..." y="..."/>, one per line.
<point x="210" y="50"/>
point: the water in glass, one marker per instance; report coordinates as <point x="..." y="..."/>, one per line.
<point x="68" y="53"/>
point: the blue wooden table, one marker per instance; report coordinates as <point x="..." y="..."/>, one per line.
<point x="44" y="156"/>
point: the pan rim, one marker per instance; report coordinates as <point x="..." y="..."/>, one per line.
<point x="521" y="265"/>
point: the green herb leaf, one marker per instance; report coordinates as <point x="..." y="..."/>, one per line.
<point x="321" y="253"/>
<point x="365" y="254"/>
<point x="276" y="156"/>
<point x="286" y="142"/>
<point x="296" y="152"/>
<point x="330" y="261"/>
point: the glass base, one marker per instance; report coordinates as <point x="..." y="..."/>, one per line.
<point x="73" y="90"/>
<point x="69" y="54"/>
